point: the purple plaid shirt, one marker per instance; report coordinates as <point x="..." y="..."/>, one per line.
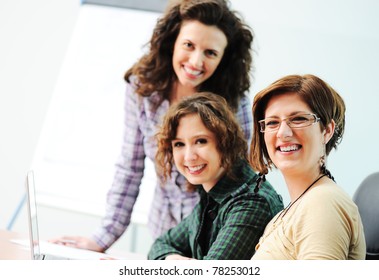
<point x="171" y="202"/>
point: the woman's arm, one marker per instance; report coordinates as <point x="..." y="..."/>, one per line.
<point x="174" y="244"/>
<point x="245" y="118"/>
<point x="128" y="175"/>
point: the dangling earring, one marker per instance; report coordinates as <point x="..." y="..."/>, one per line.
<point x="322" y="158"/>
<point x="261" y="178"/>
<point x="323" y="168"/>
<point x="322" y="164"/>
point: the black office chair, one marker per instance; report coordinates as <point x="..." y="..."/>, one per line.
<point x="367" y="199"/>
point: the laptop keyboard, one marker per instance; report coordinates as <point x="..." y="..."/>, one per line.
<point x="52" y="258"/>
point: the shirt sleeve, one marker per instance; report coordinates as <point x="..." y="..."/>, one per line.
<point x="245" y="117"/>
<point x="128" y="175"/>
<point x="322" y="231"/>
<point x="174" y="241"/>
<point x="243" y="226"/>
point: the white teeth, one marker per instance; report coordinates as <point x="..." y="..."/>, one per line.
<point x="195" y="168"/>
<point x="289" y="148"/>
<point x="192" y="72"/>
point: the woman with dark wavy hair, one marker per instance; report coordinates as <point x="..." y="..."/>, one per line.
<point x="229" y="74"/>
<point x="201" y="137"/>
<point x="197" y="45"/>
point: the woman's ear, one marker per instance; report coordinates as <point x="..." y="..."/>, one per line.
<point x="329" y="131"/>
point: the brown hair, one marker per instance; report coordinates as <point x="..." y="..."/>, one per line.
<point x="216" y="116"/>
<point x="321" y="98"/>
<point x="154" y="70"/>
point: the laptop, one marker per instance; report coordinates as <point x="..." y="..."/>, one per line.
<point x="33" y="222"/>
<point x="51" y="251"/>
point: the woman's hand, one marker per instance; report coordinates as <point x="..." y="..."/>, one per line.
<point x="78" y="242"/>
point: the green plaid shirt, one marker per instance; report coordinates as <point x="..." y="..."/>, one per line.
<point x="239" y="219"/>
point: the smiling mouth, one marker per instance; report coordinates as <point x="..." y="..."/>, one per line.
<point x="196" y="169"/>
<point x="193" y="72"/>
<point x="290" y="148"/>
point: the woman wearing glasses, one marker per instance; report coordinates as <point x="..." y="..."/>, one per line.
<point x="298" y="120"/>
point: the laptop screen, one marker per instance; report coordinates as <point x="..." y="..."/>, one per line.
<point x="53" y="250"/>
<point x="32" y="215"/>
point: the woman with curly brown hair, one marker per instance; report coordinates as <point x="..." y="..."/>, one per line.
<point x="196" y="46"/>
<point x="201" y="137"/>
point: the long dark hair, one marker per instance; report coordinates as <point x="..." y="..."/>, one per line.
<point x="154" y="71"/>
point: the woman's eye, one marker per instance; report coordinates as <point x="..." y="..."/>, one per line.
<point x="188" y="45"/>
<point x="177" y="144"/>
<point x="272" y="123"/>
<point x="201" y="141"/>
<point x="299" y="119"/>
<point x="211" y="53"/>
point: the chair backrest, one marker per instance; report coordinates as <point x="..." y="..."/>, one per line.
<point x="367" y="199"/>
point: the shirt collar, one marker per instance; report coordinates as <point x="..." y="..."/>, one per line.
<point x="227" y="187"/>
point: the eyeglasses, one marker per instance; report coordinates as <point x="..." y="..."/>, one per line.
<point x="295" y="121"/>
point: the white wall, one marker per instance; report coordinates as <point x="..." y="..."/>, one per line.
<point x="34" y="37"/>
<point x="337" y="40"/>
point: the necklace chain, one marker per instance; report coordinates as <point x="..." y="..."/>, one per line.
<point x="285" y="210"/>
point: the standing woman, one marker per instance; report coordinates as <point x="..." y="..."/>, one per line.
<point x="195" y="46"/>
<point x="298" y="121"/>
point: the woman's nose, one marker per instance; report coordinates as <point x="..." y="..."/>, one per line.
<point x="284" y="130"/>
<point x="196" y="59"/>
<point x="190" y="154"/>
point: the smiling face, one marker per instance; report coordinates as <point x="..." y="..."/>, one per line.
<point x="294" y="150"/>
<point x="195" y="152"/>
<point x="198" y="51"/>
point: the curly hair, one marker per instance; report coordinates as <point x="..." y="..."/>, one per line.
<point x="216" y="116"/>
<point x="154" y="71"/>
<point x="321" y="98"/>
